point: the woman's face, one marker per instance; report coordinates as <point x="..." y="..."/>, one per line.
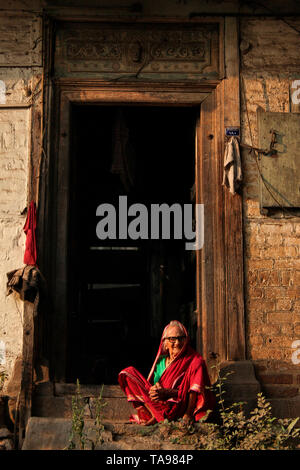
<point x="175" y="347"/>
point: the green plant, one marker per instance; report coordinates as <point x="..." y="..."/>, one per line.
<point x="99" y="405"/>
<point x="77" y="432"/>
<point x="259" y="430"/>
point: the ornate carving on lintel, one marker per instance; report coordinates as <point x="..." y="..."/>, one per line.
<point x="177" y="51"/>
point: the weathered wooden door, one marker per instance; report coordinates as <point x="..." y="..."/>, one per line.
<point x="122" y="292"/>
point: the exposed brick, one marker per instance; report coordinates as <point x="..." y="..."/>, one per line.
<point x="261" y="305"/>
<point x="293" y="292"/>
<point x="256" y="340"/>
<point x="252" y="209"/>
<point x="252" y="278"/>
<point x="280" y="341"/>
<point x="259" y="264"/>
<point x="276" y="378"/>
<point x="275" y="292"/>
<point x="264" y="329"/>
<point x="290" y="241"/>
<point x="279" y="317"/>
<point x="287" y="329"/>
<point x="280" y="252"/>
<point x="287" y="264"/>
<point x="283" y="227"/>
<point x="279" y="391"/>
<point x="255" y="292"/>
<point x="253" y="251"/>
<point x="267" y="353"/>
<point x="284" y="304"/>
<point x="287" y="277"/>
<point x="269" y="278"/>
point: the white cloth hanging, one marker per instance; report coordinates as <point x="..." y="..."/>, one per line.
<point x="232" y="175"/>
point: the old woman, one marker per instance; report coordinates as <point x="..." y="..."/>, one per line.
<point x="177" y="385"/>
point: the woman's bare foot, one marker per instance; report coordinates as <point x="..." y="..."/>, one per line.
<point x="150" y="422"/>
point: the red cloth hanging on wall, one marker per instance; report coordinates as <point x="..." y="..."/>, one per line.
<point x="29" y="229"/>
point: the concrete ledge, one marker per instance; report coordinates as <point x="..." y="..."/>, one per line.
<point x="61" y="407"/>
<point x="109" y="391"/>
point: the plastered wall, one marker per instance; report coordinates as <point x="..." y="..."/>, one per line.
<point x="20" y="58"/>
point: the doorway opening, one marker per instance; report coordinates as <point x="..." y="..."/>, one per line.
<point x="121" y="293"/>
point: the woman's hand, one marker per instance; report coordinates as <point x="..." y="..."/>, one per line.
<point x="158" y="393"/>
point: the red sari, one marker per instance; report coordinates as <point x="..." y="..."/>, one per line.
<point x="187" y="372"/>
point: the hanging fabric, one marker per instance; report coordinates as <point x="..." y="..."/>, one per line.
<point x="232" y="175"/>
<point x="30" y="255"/>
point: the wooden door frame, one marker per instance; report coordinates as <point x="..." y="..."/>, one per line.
<point x="219" y="315"/>
<point x="220" y="291"/>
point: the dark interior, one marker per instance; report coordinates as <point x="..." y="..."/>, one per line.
<point x="123" y="292"/>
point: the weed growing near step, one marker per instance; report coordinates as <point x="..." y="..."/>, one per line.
<point x="78" y="435"/>
<point x="99" y="405"/>
<point x="259" y="430"/>
<point x="77" y="432"/>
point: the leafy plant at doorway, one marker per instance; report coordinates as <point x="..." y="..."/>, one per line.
<point x="79" y="437"/>
<point x="230" y="427"/>
<point x="99" y="405"/>
<point x="77" y="432"/>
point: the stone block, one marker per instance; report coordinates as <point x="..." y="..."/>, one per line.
<point x="62" y="389"/>
<point x="285" y="407"/>
<point x="276" y="378"/>
<point x="47" y="434"/>
<point x="279" y="391"/>
<point x="54" y="407"/>
<point x="44" y="389"/>
<point x="241" y="383"/>
<point x="116" y="409"/>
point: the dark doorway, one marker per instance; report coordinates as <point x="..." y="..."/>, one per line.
<point x="122" y="292"/>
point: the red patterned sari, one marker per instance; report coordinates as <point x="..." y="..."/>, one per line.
<point x="186" y="373"/>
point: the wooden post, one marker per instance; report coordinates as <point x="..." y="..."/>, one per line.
<point x="25" y="401"/>
<point x="233" y="228"/>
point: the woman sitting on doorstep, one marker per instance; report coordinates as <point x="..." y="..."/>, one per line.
<point x="177" y="383"/>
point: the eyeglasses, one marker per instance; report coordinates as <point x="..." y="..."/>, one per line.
<point x="173" y="339"/>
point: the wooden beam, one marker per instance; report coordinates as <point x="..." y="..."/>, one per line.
<point x="233" y="229"/>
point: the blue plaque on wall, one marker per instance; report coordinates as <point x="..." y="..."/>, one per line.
<point x="232" y="131"/>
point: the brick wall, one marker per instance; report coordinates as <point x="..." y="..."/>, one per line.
<point x="269" y="61"/>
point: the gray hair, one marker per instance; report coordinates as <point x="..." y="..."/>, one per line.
<point x="172" y="324"/>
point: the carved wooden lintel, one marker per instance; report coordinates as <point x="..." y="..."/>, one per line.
<point x="150" y="51"/>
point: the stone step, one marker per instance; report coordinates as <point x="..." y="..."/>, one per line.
<point x="55" y="434"/>
<point x="55" y="401"/>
